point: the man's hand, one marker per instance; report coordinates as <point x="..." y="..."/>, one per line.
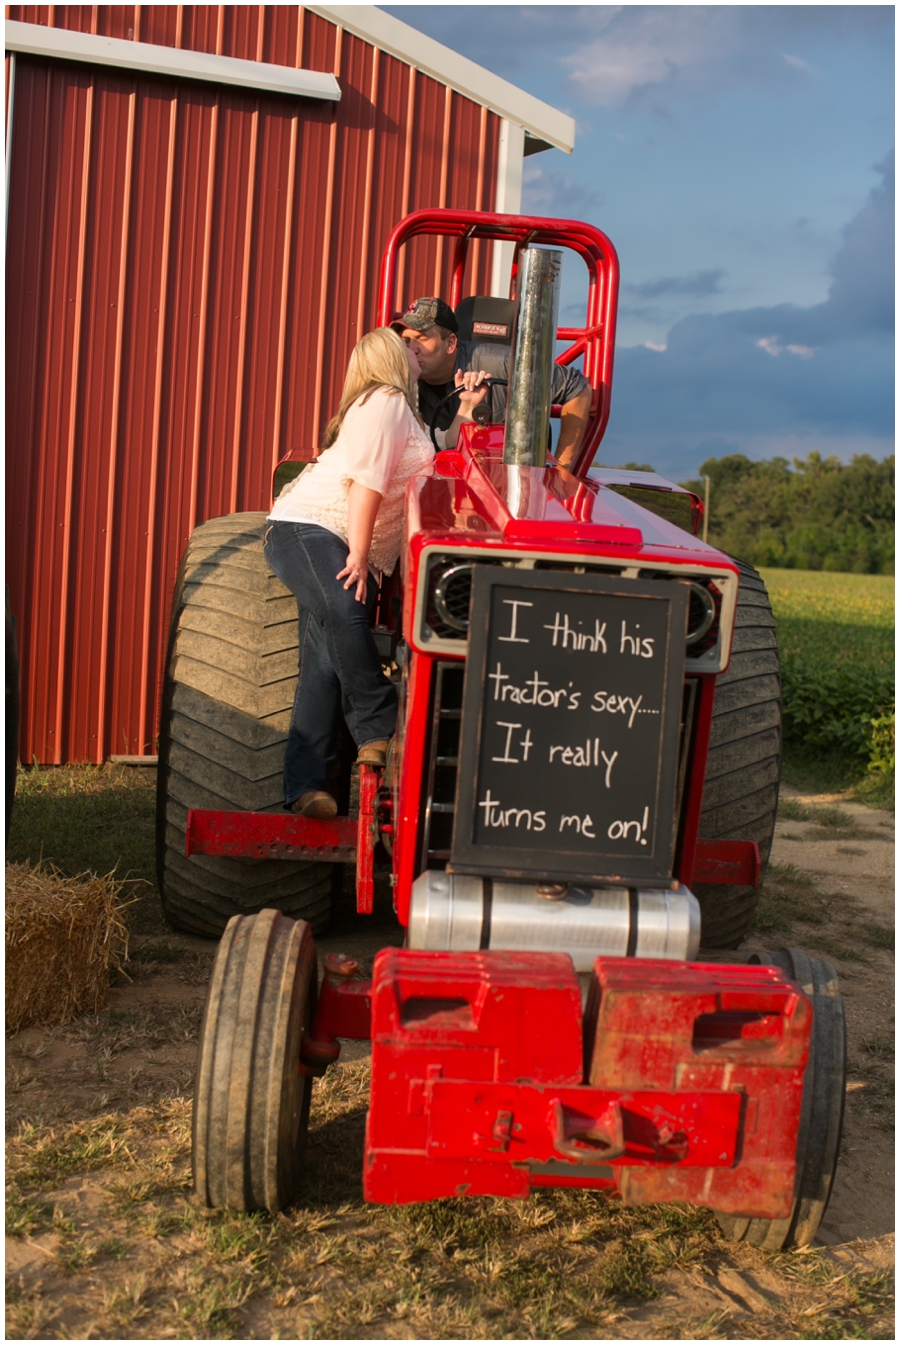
<point x="474" y="393"/>
<point x="573" y="422"/>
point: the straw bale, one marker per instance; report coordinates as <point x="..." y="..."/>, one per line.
<point x="63" y="935"/>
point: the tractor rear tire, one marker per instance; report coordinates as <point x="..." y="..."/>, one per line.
<point x="231" y="671"/>
<point x="743" y="769"/>
<point x="821" y="1110"/>
<point x="251" y="1107"/>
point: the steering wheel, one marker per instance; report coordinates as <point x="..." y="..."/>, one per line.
<point x="454" y="392"/>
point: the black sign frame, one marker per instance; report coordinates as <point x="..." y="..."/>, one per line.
<point x="612" y="862"/>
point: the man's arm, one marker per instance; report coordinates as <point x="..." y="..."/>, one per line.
<point x="572" y="424"/>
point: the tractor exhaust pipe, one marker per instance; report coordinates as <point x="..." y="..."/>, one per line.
<point x="531" y="367"/>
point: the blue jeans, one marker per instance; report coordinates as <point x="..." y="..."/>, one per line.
<point x="338" y="662"/>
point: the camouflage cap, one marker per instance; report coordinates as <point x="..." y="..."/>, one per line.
<point x="425" y="313"/>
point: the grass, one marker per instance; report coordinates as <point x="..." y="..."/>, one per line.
<point x="829" y="923"/>
<point x="151" y="1264"/>
<point x="563" y="1263"/>
<point x="92" y="818"/>
<point x="831" y="823"/>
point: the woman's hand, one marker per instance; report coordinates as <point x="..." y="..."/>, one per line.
<point x="356" y="571"/>
<point x="362" y="510"/>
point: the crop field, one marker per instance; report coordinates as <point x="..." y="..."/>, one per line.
<point x="810" y="604"/>
<point x="836" y="639"/>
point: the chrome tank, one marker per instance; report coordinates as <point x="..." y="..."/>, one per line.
<point x="531" y="365"/>
<point x="452" y="912"/>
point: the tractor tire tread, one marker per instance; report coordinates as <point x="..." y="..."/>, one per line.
<point x="740" y="792"/>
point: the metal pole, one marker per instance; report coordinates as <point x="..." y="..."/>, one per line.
<point x="531" y="366"/>
<point x="10" y="102"/>
<point x="706" y="508"/>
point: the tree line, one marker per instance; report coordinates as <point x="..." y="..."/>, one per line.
<point x="813" y="513"/>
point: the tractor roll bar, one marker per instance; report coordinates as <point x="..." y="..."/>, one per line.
<point x="595" y="340"/>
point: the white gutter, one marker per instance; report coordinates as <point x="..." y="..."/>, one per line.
<point x="455" y="71"/>
<point x="32" y="39"/>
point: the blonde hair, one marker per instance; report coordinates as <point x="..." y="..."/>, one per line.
<point x="378" y="360"/>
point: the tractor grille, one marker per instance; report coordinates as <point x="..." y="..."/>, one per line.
<point x="443" y="761"/>
<point x="449" y="595"/>
<point x="701" y="610"/>
<point x="450" y="590"/>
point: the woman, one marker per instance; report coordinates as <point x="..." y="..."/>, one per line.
<point x="342" y="520"/>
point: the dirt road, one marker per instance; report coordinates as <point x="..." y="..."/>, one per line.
<point x="104" y="1241"/>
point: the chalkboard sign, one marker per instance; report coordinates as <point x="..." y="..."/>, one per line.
<point x="570" y="727"/>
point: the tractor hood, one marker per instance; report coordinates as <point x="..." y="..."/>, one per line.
<point x="475" y="499"/>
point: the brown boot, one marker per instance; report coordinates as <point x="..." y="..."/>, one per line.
<point x="315" y="803"/>
<point x="374" y="754"/>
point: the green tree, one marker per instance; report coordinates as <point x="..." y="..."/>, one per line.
<point x="812" y="513"/>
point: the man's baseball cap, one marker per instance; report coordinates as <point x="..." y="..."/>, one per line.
<point x="425" y="313"/>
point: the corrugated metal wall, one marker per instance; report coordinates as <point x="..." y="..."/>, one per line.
<point x="188" y="266"/>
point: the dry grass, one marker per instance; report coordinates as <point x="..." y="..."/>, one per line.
<point x="834" y="924"/>
<point x="830" y="823"/>
<point x="105" y="1241"/>
<point x="63" y="936"/>
<point x="149" y="1263"/>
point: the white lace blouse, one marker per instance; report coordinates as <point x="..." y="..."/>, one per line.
<point x="380" y="445"/>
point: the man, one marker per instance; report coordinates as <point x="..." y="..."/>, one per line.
<point x="430" y="329"/>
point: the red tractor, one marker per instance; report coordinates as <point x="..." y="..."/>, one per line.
<point x="582" y="790"/>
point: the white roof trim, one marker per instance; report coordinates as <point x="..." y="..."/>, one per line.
<point x="448" y="67"/>
<point x="33" y="39"/>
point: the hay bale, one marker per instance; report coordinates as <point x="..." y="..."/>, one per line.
<point x="62" y="937"/>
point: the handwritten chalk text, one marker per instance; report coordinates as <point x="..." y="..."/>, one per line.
<point x="567" y="637"/>
<point x="495" y="815"/>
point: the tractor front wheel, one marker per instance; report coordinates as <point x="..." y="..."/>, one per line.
<point x="821" y="1110"/>
<point x="251" y="1107"/>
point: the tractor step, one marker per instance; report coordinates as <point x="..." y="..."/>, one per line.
<point x="270" y="836"/>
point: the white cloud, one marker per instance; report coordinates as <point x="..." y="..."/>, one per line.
<point x="650" y="49"/>
<point x="645" y="47"/>
<point x="797" y="63"/>
<point x="772" y="346"/>
<point x="659" y="346"/>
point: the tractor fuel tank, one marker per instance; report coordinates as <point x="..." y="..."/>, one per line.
<point x="454" y="912"/>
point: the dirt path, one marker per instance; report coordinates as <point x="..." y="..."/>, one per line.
<point x="855" y="862"/>
<point x="104" y="1242"/>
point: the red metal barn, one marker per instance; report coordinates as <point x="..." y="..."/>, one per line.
<point x="197" y="200"/>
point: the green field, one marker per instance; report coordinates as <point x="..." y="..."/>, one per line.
<point x="836" y="639"/>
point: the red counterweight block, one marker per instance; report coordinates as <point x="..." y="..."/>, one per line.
<point x="695" y="1077"/>
<point x="469" y="1018"/>
<point x="740" y="1031"/>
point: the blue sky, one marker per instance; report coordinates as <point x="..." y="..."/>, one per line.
<point x="741" y="160"/>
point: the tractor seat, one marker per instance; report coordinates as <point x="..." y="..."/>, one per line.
<point x="482" y="317"/>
